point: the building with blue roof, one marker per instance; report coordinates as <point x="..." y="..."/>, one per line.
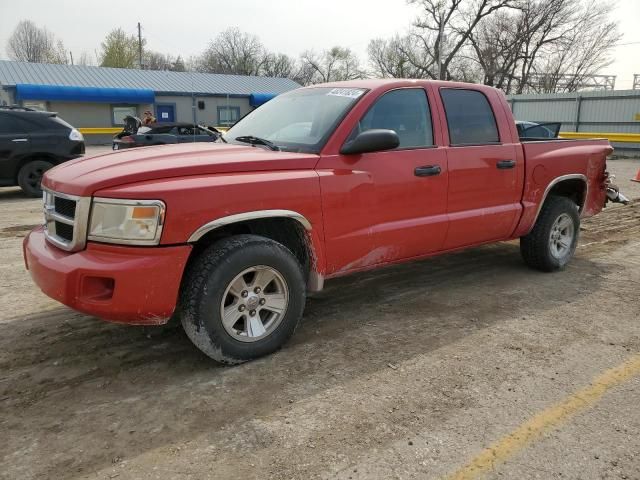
<point x="98" y="98"/>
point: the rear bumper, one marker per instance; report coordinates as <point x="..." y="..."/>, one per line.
<point x="120" y="284"/>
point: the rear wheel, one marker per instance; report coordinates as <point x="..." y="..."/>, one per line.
<point x="30" y="176"/>
<point x="242" y="298"/>
<point x="553" y="240"/>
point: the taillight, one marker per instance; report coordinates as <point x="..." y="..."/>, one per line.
<point x="127" y="139"/>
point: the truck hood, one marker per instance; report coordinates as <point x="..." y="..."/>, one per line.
<point x="85" y="176"/>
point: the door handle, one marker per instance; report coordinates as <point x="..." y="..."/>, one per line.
<point x="427" y="171"/>
<point x="505" y="164"/>
<point x="20" y="140"/>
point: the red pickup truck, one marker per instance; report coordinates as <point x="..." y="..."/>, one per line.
<point x="318" y="183"/>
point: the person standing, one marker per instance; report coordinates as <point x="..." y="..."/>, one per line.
<point x="148" y="119"/>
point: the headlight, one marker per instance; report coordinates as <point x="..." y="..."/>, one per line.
<point x="132" y="222"/>
<point x="75" y="135"/>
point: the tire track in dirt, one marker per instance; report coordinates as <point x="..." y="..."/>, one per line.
<point x="72" y="388"/>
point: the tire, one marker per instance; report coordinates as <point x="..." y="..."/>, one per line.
<point x="552" y="242"/>
<point x="215" y="285"/>
<point x="30" y="176"/>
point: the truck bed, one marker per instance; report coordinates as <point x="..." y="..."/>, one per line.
<point x="583" y="160"/>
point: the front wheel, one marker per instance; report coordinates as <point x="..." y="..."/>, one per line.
<point x="242" y="298"/>
<point x="30" y="176"/>
<point x="553" y="240"/>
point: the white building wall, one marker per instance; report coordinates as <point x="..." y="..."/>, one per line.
<point x="208" y="115"/>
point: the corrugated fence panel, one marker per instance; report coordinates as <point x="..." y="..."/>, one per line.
<point x="616" y="111"/>
<point x="610" y="110"/>
<point x="547" y="111"/>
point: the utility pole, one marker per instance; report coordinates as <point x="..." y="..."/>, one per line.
<point x="140" y="46"/>
<point x="440" y="45"/>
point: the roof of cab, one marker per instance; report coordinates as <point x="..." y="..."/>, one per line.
<point x="388" y="83"/>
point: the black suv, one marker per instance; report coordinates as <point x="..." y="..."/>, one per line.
<point x="31" y="142"/>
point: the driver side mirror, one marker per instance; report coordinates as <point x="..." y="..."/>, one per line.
<point x="375" y="140"/>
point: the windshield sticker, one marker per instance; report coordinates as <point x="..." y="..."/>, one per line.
<point x="346" y="92"/>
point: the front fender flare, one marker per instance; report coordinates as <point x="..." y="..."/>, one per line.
<point x="243" y="217"/>
<point x="315" y="282"/>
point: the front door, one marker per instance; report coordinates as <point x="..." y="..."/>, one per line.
<point x="486" y="170"/>
<point x="384" y="206"/>
<point x="165" y="112"/>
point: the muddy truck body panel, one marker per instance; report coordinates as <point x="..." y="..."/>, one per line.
<point x="378" y="211"/>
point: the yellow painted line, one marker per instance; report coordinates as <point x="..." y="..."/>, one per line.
<point x="533" y="429"/>
<point x="100" y="131"/>
<point x="611" y="136"/>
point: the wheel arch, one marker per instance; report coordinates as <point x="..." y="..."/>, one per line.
<point x="573" y="186"/>
<point x="287" y="227"/>
<point x="29" y="157"/>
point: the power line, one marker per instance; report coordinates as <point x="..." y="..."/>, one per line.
<point x="624" y="44"/>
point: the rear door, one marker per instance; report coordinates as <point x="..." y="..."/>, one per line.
<point x="14" y="144"/>
<point x="486" y="169"/>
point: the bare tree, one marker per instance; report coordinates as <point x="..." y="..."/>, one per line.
<point x="399" y="57"/>
<point x="85" y="59"/>
<point x="119" y="50"/>
<point x="278" y="65"/>
<point x="179" y="65"/>
<point x="444" y="26"/>
<point x="544" y="45"/>
<point x="335" y="64"/>
<point x="30" y="43"/>
<point x="437" y="46"/>
<point x="161" y="61"/>
<point x="582" y="50"/>
<point x="233" y="52"/>
<point x="515" y="45"/>
<point x="497" y="45"/>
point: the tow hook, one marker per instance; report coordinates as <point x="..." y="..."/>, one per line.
<point x="613" y="191"/>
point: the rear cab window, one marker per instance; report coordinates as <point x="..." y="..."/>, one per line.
<point x="470" y="118"/>
<point x="406" y="112"/>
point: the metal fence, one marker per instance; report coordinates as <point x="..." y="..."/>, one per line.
<point x="597" y="114"/>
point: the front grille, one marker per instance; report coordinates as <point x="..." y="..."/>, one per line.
<point x="66" y="219"/>
<point x="65" y="206"/>
<point x="64" y="231"/>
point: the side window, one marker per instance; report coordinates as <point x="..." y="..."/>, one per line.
<point x="469" y="117"/>
<point x="12" y="124"/>
<point x="406" y="111"/>
<point x="186" y="131"/>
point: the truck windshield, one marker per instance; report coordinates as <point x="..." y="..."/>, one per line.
<point x="300" y="120"/>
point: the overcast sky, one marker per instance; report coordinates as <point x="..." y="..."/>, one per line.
<point x="288" y="26"/>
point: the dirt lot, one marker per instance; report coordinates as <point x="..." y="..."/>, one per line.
<point x="409" y="372"/>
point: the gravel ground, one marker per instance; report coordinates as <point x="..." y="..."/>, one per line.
<point x="407" y="372"/>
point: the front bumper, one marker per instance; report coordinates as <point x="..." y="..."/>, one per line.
<point x="135" y="285"/>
